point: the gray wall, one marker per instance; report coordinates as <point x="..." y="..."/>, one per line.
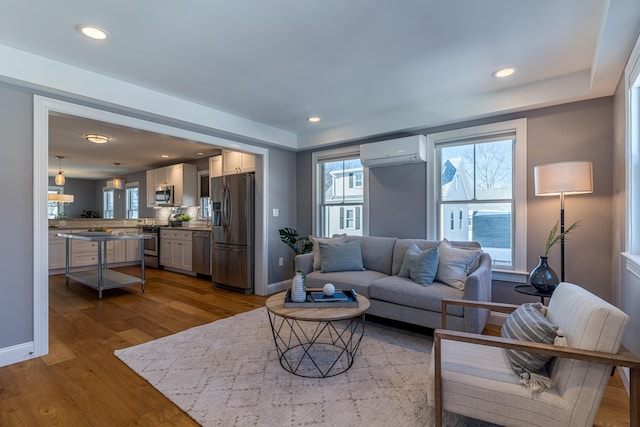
<point x="16" y="255"/>
<point x="576" y="131"/>
<point x="84" y="196"/>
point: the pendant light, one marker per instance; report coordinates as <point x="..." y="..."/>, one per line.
<point x="117" y="182"/>
<point x="59" y="179"/>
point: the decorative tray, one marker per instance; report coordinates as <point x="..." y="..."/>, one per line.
<point x="351" y="300"/>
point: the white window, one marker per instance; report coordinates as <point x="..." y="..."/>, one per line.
<point x="480" y="172"/>
<point x="339" y="191"/>
<point x="107" y="200"/>
<point x="132" y="200"/>
<point x="632" y="82"/>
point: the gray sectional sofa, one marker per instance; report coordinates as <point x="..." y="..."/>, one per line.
<point x="400" y="298"/>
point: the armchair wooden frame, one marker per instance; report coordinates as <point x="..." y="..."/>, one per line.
<point x="623" y="358"/>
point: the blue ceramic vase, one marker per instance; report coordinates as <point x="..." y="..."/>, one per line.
<point x="543" y="278"/>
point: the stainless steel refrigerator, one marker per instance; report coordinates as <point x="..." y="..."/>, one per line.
<point x="232" y="243"/>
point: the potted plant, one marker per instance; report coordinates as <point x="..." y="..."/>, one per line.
<point x="185" y="220"/>
<point x="300" y="245"/>
<point x="543" y="278"/>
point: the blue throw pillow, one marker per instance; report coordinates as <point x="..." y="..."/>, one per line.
<point x="423" y="267"/>
<point x="340" y="257"/>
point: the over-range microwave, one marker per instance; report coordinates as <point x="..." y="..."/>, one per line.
<point x="164" y="195"/>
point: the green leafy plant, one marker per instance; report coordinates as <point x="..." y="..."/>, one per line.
<point x="300" y="245"/>
<point x="555" y="235"/>
<point x="185" y="217"/>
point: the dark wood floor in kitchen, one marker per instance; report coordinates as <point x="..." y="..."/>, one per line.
<point x="81" y="383"/>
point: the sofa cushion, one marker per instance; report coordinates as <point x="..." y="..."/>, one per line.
<point x="377" y="252"/>
<point x="403" y="291"/>
<point x="412" y="249"/>
<point x="337" y="238"/>
<point x="456" y="263"/>
<point x="340" y="257"/>
<point x="360" y="281"/>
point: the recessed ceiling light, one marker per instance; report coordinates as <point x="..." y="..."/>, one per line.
<point x="504" y="72"/>
<point x="98" y="139"/>
<point x="164" y="156"/>
<point x="92" y="32"/>
<point x="200" y="153"/>
<point x="313" y="119"/>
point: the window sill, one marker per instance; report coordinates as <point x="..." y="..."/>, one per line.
<point x="633" y="263"/>
<point x="510" y="276"/>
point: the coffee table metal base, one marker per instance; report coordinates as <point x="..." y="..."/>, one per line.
<point x="316" y="349"/>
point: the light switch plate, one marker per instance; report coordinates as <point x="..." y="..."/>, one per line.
<point x="276" y="212"/>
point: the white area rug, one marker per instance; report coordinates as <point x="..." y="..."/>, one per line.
<point x="227" y="373"/>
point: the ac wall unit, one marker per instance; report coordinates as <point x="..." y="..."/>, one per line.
<point x="410" y="149"/>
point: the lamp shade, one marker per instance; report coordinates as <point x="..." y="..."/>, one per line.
<point x="59" y="179"/>
<point x="563" y="178"/>
<point x="60" y="198"/>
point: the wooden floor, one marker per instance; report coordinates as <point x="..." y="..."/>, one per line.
<point x="81" y="383"/>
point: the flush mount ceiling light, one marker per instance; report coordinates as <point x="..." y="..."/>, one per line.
<point x="98" y="139"/>
<point x="313" y="119"/>
<point x="59" y="179"/>
<point x="504" y="72"/>
<point x="93" y="32"/>
<point x="165" y="156"/>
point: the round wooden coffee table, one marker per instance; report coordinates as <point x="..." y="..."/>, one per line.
<point x="316" y="342"/>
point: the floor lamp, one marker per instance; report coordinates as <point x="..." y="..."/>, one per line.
<point x="562" y="179"/>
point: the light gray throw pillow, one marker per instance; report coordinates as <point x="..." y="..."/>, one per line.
<point x="337" y="238"/>
<point x="340" y="257"/>
<point x="455" y="264"/>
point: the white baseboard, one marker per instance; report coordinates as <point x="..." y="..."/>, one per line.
<point x="17" y="353"/>
<point x="272" y="288"/>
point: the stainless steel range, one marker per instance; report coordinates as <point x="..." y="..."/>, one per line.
<point x="152" y="246"/>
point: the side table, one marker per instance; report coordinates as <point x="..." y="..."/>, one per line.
<point x="530" y="290"/>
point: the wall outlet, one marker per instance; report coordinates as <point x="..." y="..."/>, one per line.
<point x="276" y="212"/>
<point x="280" y="261"/>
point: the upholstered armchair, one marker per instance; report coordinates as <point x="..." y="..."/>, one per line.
<point x="470" y="374"/>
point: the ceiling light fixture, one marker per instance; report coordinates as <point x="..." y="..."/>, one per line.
<point x="313" y="119"/>
<point x="59" y="179"/>
<point x="504" y="72"/>
<point x="93" y="32"/>
<point x="98" y="139"/>
<point x="117" y="182"/>
<point x="60" y="198"/>
<point x="164" y="156"/>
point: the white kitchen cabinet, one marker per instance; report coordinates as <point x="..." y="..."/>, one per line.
<point x="215" y="166"/>
<point x="116" y="249"/>
<point x="236" y="162"/>
<point x="57" y="249"/>
<point x="152" y="179"/>
<point x="132" y="247"/>
<point x="175" y="249"/>
<point x="184" y="179"/>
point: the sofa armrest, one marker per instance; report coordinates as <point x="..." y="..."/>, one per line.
<point x="304" y="262"/>
<point x="478" y="288"/>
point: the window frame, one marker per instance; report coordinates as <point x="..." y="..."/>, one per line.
<point x="106" y="190"/>
<point x="518" y="273"/>
<point x="128" y="187"/>
<point x="336" y="154"/>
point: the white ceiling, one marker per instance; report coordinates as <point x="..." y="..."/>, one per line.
<point x="366" y="67"/>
